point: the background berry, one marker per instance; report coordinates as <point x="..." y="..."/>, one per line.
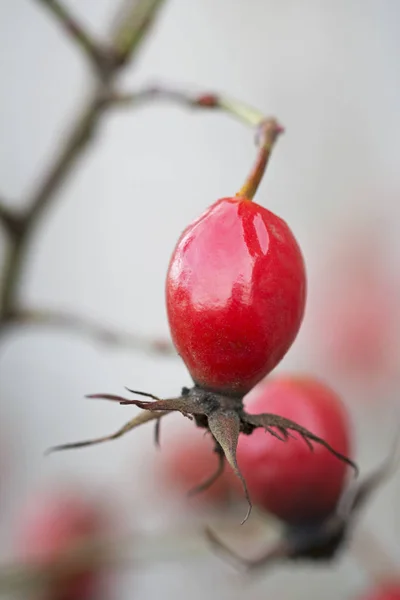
<point x="286" y="478"/>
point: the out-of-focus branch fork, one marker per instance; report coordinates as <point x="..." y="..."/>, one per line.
<point x="133" y="21"/>
<point x="126" y="40"/>
<point x="80" y="35"/>
<point x="131" y="25"/>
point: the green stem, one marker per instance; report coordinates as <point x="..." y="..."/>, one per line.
<point x="269" y="132"/>
<point x="243" y="112"/>
<point x="133" y="27"/>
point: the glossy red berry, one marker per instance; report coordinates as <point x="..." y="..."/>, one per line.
<point x="235" y="291"/>
<point x="286" y="479"/>
<point x="52" y="525"/>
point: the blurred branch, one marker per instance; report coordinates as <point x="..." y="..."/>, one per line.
<point x="132" y="23"/>
<point x="101" y="99"/>
<point x="92" y="329"/>
<point x="9" y="219"/>
<point x="247" y="114"/>
<point x="72" y="26"/>
<point x="127" y="39"/>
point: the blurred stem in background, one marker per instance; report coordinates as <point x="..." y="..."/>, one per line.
<point x="132" y="23"/>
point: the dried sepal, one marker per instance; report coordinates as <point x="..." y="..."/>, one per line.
<point x="285" y="426"/>
<point x="185" y="405"/>
<point x="222" y="416"/>
<point x="323" y="540"/>
<point x="140" y="419"/>
<point x="145" y="394"/>
<point x="225" y="426"/>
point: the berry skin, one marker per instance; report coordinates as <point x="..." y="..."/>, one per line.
<point x="52" y="525"/>
<point x="235" y="291"/>
<point x="296" y="485"/>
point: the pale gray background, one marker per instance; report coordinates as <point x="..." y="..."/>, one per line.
<point x="329" y="71"/>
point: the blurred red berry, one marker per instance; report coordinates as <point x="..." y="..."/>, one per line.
<point x="235" y="290"/>
<point x="359" y="319"/>
<point x="187" y="461"/>
<point x="54" y="524"/>
<point x="386" y="591"/>
<point x="286" y="479"/>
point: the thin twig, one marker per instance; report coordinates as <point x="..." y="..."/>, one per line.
<point x="4" y="213"/>
<point x="76" y="142"/>
<point x="82" y="132"/>
<point x="9" y="219"/>
<point x="43" y="196"/>
<point x="79" y="34"/>
<point x="90" y="328"/>
<point x="161" y="93"/>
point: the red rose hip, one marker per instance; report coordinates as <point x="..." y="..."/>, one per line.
<point x="236" y="289"/>
<point x="296" y="485"/>
<point x="235" y="297"/>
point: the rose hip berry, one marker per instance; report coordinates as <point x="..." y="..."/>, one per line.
<point x="286" y="479"/>
<point x="235" y="294"/>
<point x="305" y="490"/>
<point x="236" y="289"/>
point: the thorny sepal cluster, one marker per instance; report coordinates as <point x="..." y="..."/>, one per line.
<point x="223" y="416"/>
<point x="321" y="541"/>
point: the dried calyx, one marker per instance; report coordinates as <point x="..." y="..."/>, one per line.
<point x="222" y="415"/>
<point x="322" y="540"/>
